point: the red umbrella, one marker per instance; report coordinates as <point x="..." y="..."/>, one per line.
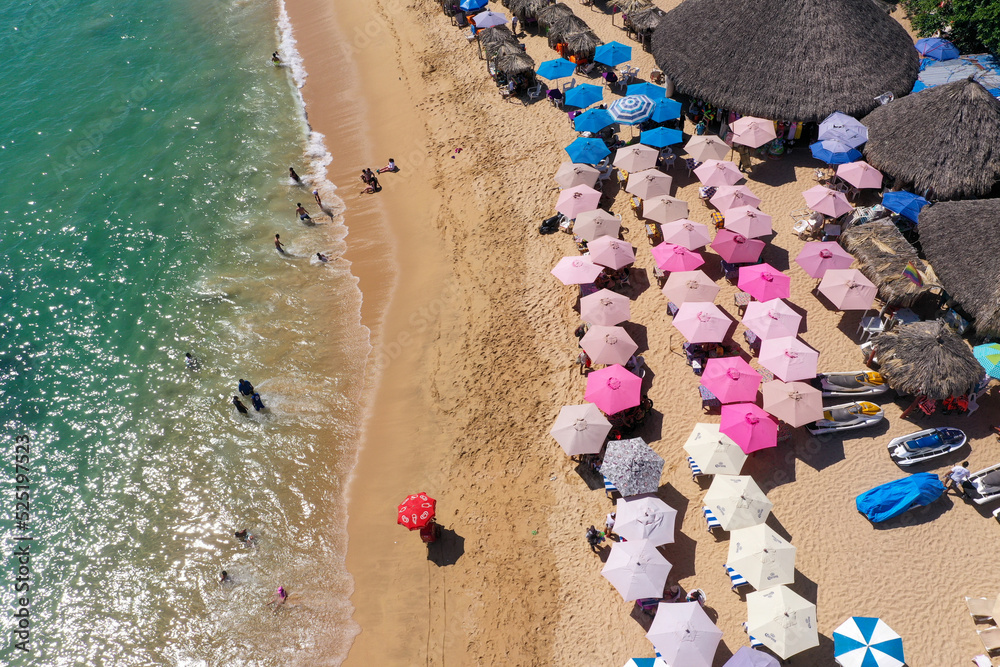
<point x="416" y="511"/>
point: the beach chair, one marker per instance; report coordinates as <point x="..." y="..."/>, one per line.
<point x="736" y="579"/>
<point x="980" y="609"/>
<point x="585" y="70"/>
<point x="991" y="639"/>
<point x="656" y="76"/>
<point x="695" y="469"/>
<point x="741" y="300"/>
<point x="647" y="605"/>
<point x="982" y="661"/>
<point x="535" y="92"/>
<point x="609" y="488"/>
<point x="709" y="401"/>
<point x="753" y="341"/>
<point x="710" y="519"/>
<point x="672" y="309"/>
<point x="691" y="164"/>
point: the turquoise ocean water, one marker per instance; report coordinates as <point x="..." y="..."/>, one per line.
<point x="144" y="149"/>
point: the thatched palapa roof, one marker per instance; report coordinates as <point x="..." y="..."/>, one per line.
<point x="525" y="10"/>
<point x="646" y="20"/>
<point x="961" y="240"/>
<point x="492" y="37"/>
<point x="944" y="139"/>
<point x="632" y="6"/>
<point x="926" y="359"/>
<point x="785" y="59"/>
<point x="583" y="43"/>
<point x="565" y="26"/>
<point x="882" y="254"/>
<point x="512" y="61"/>
<point x="549" y="15"/>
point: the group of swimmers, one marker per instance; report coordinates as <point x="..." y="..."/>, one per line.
<point x="247" y="389"/>
<point x="279" y="597"/>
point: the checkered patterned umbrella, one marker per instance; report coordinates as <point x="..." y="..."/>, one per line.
<point x="632" y="466"/>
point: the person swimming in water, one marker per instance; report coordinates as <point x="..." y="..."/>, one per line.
<point x="245" y="387"/>
<point x="242" y="409"/>
<point x="244" y="536"/>
<point x="321" y="257"/>
<point x="278" y="598"/>
<point x="191" y="361"/>
<point x="258" y="404"/>
<point x="294" y="176"/>
<point x="302" y="213"/>
<point x="224" y="578"/>
<point x="275" y="59"/>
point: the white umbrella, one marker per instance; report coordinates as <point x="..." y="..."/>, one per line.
<point x="489" y="19"/>
<point x="636" y="569"/>
<point x="783" y="621"/>
<point x="737" y="501"/>
<point x="684" y="634"/>
<point x="752" y="132"/>
<point x="645" y="517"/>
<point x="571" y="174"/>
<point x="764" y="558"/>
<point x="714" y="451"/>
<point x="591" y="225"/>
<point x="581" y="429"/>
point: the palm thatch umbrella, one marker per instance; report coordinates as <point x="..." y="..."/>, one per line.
<point x="882" y="253"/>
<point x="645" y="20"/>
<point x="527" y="10"/>
<point x="945" y="140"/>
<point x="548" y="15"/>
<point x="926" y="359"/>
<point x="489" y="37"/>
<point x="566" y="25"/>
<point x="785" y="60"/>
<point x="961" y="239"/>
<point x="632" y="6"/>
<point x="582" y="44"/>
<point x="513" y="61"/>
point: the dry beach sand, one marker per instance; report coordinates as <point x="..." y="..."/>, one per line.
<point x="474" y="352"/>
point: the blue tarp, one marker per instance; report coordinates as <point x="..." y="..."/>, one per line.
<point x="984" y="67"/>
<point x="894" y="498"/>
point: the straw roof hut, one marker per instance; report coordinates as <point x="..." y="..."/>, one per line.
<point x="645" y="20"/>
<point x="526" y="10"/>
<point x="926" y="359"/>
<point x="786" y="60"/>
<point x="548" y="15"/>
<point x="632" y="6"/>
<point x="513" y="61"/>
<point x="945" y="140"/>
<point x="960" y="238"/>
<point x="492" y="37"/>
<point x="583" y="44"/>
<point x="882" y="254"/>
<point x="566" y="25"/>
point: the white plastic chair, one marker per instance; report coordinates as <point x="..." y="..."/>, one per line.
<point x="535" y="92"/>
<point x="569" y="84"/>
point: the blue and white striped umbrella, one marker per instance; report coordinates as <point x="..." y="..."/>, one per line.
<point x="832" y="151"/>
<point x="867" y="642"/>
<point x="631" y="109"/>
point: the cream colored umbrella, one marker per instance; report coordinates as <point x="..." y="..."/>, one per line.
<point x="713" y="451"/>
<point x="591" y="225"/>
<point x="645" y="517"/>
<point x="636" y="158"/>
<point x="764" y="558"/>
<point x="571" y="174"/>
<point x="636" y="569"/>
<point x="737" y="502"/>
<point x="664" y="208"/>
<point x="648" y="183"/>
<point x="784" y="621"/>
<point x="707" y="147"/>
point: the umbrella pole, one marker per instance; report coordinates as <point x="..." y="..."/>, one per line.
<point x="910" y="409"/>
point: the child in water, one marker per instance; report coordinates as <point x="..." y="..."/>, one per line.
<point x="258" y="404"/>
<point x="242" y="409"/>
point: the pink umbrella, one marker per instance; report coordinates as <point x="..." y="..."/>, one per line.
<point x="664" y="208"/>
<point x="576" y="270"/>
<point x="817" y="257"/>
<point x="826" y="201"/>
<point x="749" y="426"/>
<point x="702" y="322"/>
<point x="610" y="252"/>
<point x="605" y="307"/>
<point x="848" y="289"/>
<point x="748" y="221"/>
<point x="718" y="172"/>
<point x="613" y="389"/>
<point x="788" y="358"/>
<point x="731" y="196"/>
<point x="764" y="282"/>
<point x="731" y="379"/>
<point x="574" y="201"/>
<point x="670" y="257"/>
<point x="736" y="248"/>
<point x="691" y="235"/>
<point x="608" y="345"/>
<point x="684" y="286"/>
<point x="771" y="319"/>
<point x="590" y="225"/>
<point x="753" y="132"/>
<point x="860" y="174"/>
<point x="795" y="403"/>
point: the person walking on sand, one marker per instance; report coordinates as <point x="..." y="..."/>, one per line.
<point x="278" y="244"/>
<point x="302" y="213"/>
<point x="294" y="176"/>
<point x="594" y="539"/>
<point x="242" y="409"/>
<point x="957" y="476"/>
<point x="278" y="598"/>
<point x="609" y="525"/>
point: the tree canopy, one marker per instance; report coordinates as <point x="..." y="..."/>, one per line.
<point x="972" y="25"/>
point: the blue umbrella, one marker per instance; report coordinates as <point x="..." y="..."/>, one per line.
<point x="555" y="69"/>
<point x="650" y="90"/>
<point x="593" y="120"/>
<point x="583" y="95"/>
<point x="632" y="109"/>
<point x="867" y="642"/>
<point x="472" y="5"/>
<point x="937" y="48"/>
<point x="587" y="151"/>
<point x="832" y="151"/>
<point x="665" y="109"/>
<point x="660" y="137"/>
<point x="989" y="358"/>
<point x="905" y="203"/>
<point x="613" y="53"/>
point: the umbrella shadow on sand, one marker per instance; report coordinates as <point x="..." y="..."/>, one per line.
<point x="447" y="548"/>
<point x="637" y="332"/>
<point x="776" y="256"/>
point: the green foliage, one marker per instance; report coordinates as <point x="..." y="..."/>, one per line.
<point x="975" y="24"/>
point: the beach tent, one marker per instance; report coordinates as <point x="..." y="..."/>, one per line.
<point x="926" y="359"/>
<point x="891" y="499"/>
<point x="713" y="50"/>
<point x="580" y="429"/>
<point x="960" y="239"/>
<point x="945" y="140"/>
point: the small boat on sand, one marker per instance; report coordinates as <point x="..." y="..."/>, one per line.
<point x="853" y="383"/>
<point x="925" y="445"/>
<point x="846" y="417"/>
<point x="983" y="486"/>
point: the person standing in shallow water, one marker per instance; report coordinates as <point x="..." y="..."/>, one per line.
<point x="245" y="387"/>
<point x="242" y="409"/>
<point x="294" y="176"/>
<point x="279" y="246"/>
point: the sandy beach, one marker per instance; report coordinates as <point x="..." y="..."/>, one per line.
<point x="474" y="353"/>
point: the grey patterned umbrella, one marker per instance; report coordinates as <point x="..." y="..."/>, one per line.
<point x="632" y="466"/>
